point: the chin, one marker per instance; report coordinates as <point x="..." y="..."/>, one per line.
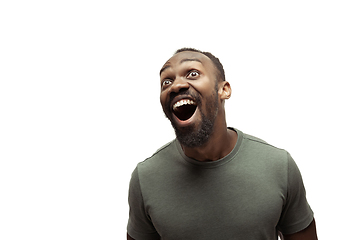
<point x="194" y="135"/>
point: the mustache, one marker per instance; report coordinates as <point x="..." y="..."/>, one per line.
<point x="186" y="92"/>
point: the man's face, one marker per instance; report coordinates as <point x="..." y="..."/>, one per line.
<point x="189" y="96"/>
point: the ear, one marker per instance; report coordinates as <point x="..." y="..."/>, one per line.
<point x="224" y="90"/>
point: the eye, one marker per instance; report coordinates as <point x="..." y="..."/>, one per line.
<point x="166" y="83"/>
<point x="193" y="74"/>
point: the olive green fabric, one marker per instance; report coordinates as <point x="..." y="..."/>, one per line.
<point x="251" y="193"/>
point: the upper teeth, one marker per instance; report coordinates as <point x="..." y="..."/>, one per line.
<point x="183" y="102"/>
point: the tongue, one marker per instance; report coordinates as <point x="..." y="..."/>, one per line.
<point x="184" y="112"/>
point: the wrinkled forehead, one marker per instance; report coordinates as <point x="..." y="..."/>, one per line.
<point x="189" y="55"/>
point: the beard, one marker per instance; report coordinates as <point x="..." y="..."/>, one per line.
<point x="196" y="135"/>
<point x="193" y="136"/>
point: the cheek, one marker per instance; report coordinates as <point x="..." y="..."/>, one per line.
<point x="205" y="86"/>
<point x="163" y="98"/>
<point x="212" y="100"/>
<point x="208" y="91"/>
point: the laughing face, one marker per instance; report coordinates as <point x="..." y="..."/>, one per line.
<point x="189" y="96"/>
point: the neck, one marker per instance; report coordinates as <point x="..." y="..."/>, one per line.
<point x="220" y="144"/>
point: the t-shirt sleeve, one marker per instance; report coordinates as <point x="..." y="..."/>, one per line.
<point x="296" y="214"/>
<point x="139" y="225"/>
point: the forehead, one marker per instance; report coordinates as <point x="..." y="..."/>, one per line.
<point x="188" y="56"/>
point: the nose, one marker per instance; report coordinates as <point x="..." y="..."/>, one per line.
<point x="179" y="85"/>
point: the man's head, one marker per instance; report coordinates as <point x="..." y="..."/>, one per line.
<point x="193" y="90"/>
<point x="220" y="69"/>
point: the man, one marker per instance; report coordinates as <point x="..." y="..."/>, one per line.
<point x="213" y="182"/>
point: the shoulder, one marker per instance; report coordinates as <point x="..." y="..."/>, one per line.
<point x="162" y="152"/>
<point x="160" y="158"/>
<point x="255" y="139"/>
<point x="258" y="144"/>
<point x="264" y="155"/>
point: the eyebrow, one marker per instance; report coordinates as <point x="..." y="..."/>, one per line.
<point x="182" y="61"/>
<point x="163" y="68"/>
<point x="190" y="59"/>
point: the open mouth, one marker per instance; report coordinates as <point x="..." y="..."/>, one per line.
<point x="184" y="109"/>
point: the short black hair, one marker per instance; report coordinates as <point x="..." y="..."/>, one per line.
<point x="215" y="60"/>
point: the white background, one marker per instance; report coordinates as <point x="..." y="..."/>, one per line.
<point x="79" y="102"/>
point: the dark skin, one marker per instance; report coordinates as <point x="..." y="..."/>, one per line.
<point x="194" y="71"/>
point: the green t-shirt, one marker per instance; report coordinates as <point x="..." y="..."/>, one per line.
<point x="251" y="193"/>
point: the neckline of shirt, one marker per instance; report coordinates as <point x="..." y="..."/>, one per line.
<point x="217" y="163"/>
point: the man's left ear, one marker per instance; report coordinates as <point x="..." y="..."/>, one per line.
<point x="224" y="90"/>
